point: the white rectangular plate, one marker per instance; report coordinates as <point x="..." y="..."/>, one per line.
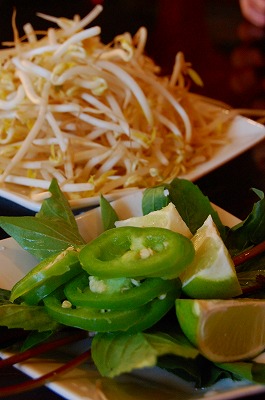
<point x="242" y="134"/>
<point x="85" y="382"/>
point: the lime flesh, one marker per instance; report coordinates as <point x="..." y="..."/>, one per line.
<point x="168" y="217"/>
<point x="224" y="330"/>
<point x="211" y="275"/>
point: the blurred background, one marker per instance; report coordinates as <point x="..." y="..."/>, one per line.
<point x="226" y="50"/>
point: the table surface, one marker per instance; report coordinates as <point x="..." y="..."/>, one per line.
<point x="223" y="48"/>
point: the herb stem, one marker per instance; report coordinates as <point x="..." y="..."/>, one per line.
<point x="249" y="253"/>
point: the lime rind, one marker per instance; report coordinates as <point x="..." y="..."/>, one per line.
<point x="188" y="318"/>
<point x="224" y="330"/>
<point x="211" y="275"/>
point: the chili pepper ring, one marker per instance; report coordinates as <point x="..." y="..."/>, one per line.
<point x="79" y="294"/>
<point x="135" y="252"/>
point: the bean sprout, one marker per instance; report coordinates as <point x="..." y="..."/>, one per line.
<point x="99" y="118"/>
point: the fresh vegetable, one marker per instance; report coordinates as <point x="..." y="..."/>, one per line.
<point x="23" y="316"/>
<point x="47" y="276"/>
<point x="137" y="252"/>
<point x="168" y="217"/>
<point x="127" y="352"/>
<point x="110" y="320"/>
<point x="188" y="199"/>
<point x="134" y="315"/>
<point x="52" y="230"/>
<point x="211" y="274"/>
<point x="115" y="294"/>
<point x="224" y="330"/>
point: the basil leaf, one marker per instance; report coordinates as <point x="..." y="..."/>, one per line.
<point x="108" y="214"/>
<point x="41" y="237"/>
<point x="57" y="206"/>
<point x="193" y="206"/>
<point x="34" y="338"/>
<point x="188" y="199"/>
<point x="26" y="317"/>
<point x="116" y="353"/>
<point x="4" y="296"/>
<point x="167" y="344"/>
<point x="22" y="316"/>
<point x="200" y="371"/>
<point x="154" y="199"/>
<point x="251" y="371"/>
<point x="51" y="231"/>
<point x="252" y="230"/>
<point x="185" y="368"/>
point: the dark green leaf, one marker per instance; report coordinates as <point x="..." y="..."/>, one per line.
<point x="34" y="338"/>
<point x="252" y="230"/>
<point x="4" y="296"/>
<point x="42" y="237"/>
<point x="116" y="353"/>
<point x="52" y="230"/>
<point x="240" y="370"/>
<point x="57" y="206"/>
<point x="167" y="344"/>
<point x="184" y="368"/>
<point x="154" y="199"/>
<point x="26" y="317"/>
<point x="192" y="205"/>
<point x="108" y="214"/>
<point x="255" y="263"/>
<point x="247" y="370"/>
<point x="258" y="372"/>
<point x="199" y="371"/>
<point x="251" y="277"/>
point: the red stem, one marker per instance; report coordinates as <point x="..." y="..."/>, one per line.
<point x="248" y="254"/>
<point x="42" y="380"/>
<point x="42" y="348"/>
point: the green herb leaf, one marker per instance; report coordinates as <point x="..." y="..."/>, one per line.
<point x="52" y="230"/>
<point x="116" y="353"/>
<point x="26" y="317"/>
<point x="251" y="371"/>
<point x="199" y="371"/>
<point x="4" y="296"/>
<point x="154" y="199"/>
<point x="167" y="344"/>
<point x="40" y="237"/>
<point x="193" y="206"/>
<point x="57" y="206"/>
<point x="34" y="338"/>
<point x="188" y="199"/>
<point x="252" y="230"/>
<point x="108" y="214"/>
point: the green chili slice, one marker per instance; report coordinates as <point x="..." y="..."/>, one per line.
<point x="47" y="276"/>
<point x="114" y="296"/>
<point x="101" y="320"/>
<point x="137" y="252"/>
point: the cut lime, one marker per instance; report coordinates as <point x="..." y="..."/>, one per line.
<point x="211" y="275"/>
<point x="224" y="330"/>
<point x="168" y="217"/>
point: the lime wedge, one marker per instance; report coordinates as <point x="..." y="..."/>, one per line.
<point x="224" y="330"/>
<point x="168" y="217"/>
<point x="211" y="275"/>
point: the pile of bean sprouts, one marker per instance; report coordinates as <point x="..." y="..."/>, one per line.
<point x="99" y="118"/>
